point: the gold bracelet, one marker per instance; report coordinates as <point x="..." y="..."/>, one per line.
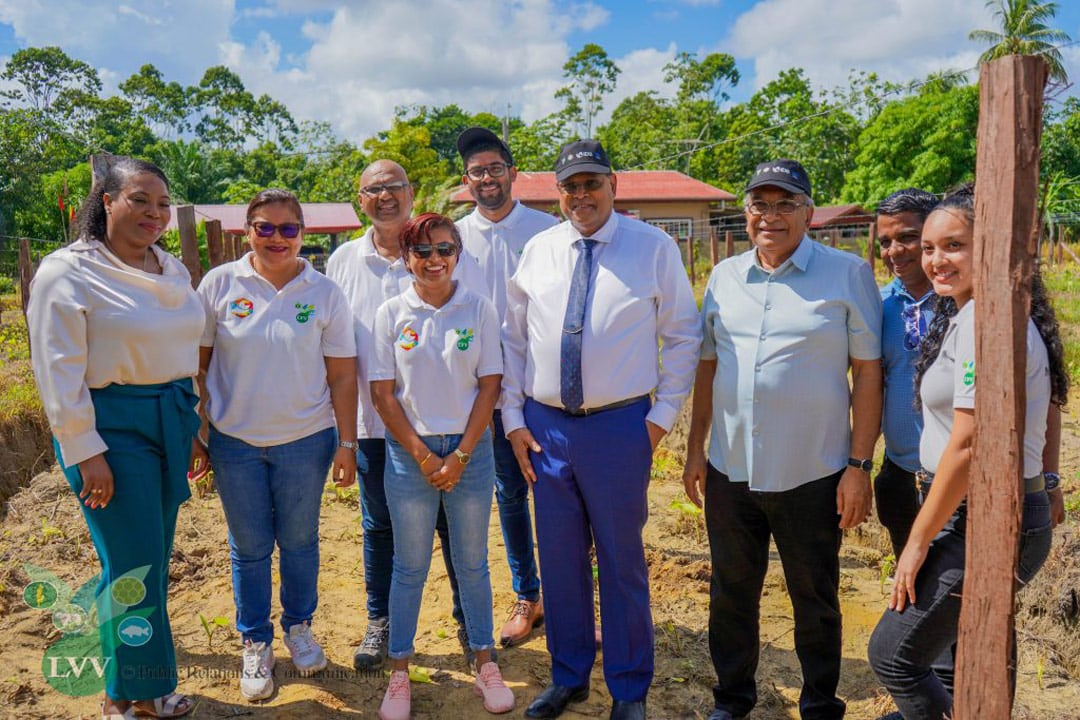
<point x="426" y="458"/>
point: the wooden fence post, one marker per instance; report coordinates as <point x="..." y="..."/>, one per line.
<point x="871" y="243"/>
<point x="26" y="273"/>
<point x="213" y="243"/>
<point x="729" y="244"/>
<point x="189" y="242"/>
<point x="714" y="247"/>
<point x="690" y="257"/>
<point x="834" y="238"/>
<point x="1007" y="165"/>
<point x="238" y="246"/>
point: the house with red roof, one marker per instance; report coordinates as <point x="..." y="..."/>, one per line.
<point x="677" y="203"/>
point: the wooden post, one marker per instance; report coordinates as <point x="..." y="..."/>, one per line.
<point x="690" y="257"/>
<point x="834" y="238"/>
<point x="213" y="243"/>
<point x="714" y="247"/>
<point x="238" y="246"/>
<point x="1007" y="165"/>
<point x="26" y="274"/>
<point x="189" y="242"/>
<point x="871" y="246"/>
<point x="729" y="244"/>
<point x="333" y="242"/>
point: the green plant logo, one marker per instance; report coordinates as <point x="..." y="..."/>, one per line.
<point x="128" y="590"/>
<point x="464" y="338"/>
<point x="969" y="372"/>
<point x="306" y="311"/>
<point x="40" y="595"/>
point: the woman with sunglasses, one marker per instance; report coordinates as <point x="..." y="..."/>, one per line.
<point x="114" y="328"/>
<point x="436" y="367"/>
<point x="911" y="647"/>
<point x="278" y="371"/>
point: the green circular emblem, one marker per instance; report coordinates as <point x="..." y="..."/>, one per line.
<point x="74" y="665"/>
<point x="70" y="619"/>
<point x="40" y="595"/>
<point x="128" y="591"/>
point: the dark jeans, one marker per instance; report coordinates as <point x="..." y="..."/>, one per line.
<point x="905" y="646"/>
<point x="897" y="501"/>
<point x="806" y="528"/>
<point x="379" y="532"/>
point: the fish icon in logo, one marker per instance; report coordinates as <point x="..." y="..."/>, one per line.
<point x="241" y="307"/>
<point x="134" y="631"/>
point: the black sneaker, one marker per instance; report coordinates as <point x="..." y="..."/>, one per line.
<point x="372" y="650"/>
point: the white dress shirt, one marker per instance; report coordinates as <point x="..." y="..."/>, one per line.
<point x="95" y="321"/>
<point x="641" y="323"/>
<point x="497" y="246"/>
<point x="435" y="356"/>
<point x="266" y="384"/>
<point x="368" y="280"/>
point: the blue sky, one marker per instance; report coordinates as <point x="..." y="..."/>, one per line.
<point x="352" y="63"/>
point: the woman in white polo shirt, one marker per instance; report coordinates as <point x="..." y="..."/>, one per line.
<point x="916" y="633"/>
<point x="278" y="370"/>
<point x="435" y="371"/>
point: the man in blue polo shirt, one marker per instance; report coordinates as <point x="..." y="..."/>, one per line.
<point x="790" y="446"/>
<point x="907" y="304"/>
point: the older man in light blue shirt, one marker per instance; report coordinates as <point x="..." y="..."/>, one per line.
<point x="790" y="443"/>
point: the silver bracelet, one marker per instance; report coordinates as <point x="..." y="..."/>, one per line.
<point x="1052" y="480"/>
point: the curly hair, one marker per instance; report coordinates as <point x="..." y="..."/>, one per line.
<point x="962" y="201"/>
<point x="90" y="220"/>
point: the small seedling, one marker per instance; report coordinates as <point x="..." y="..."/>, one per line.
<point x="49" y="531"/>
<point x="888" y="567"/>
<point x="211" y="626"/>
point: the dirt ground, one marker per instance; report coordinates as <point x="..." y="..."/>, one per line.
<point x="42" y="527"/>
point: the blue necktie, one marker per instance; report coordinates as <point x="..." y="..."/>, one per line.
<point x="571" y="392"/>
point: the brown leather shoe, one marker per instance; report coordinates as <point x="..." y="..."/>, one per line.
<point x="524" y="616"/>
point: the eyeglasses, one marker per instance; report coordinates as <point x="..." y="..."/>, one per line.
<point x="573" y="188"/>
<point x="914" y="326"/>
<point x="780" y="207"/>
<point x="286" y="230"/>
<point x="495" y="170"/>
<point x="392" y="188"/>
<point x="424" y="251"/>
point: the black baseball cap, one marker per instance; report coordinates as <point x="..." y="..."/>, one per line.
<point x="476" y="136"/>
<point x="786" y="174"/>
<point x="581" y="156"/>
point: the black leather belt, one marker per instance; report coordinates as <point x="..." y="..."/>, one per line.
<point x="923" y="479"/>
<point x="603" y="408"/>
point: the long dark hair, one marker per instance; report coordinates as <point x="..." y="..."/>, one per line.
<point x="962" y="201"/>
<point x="111" y="173"/>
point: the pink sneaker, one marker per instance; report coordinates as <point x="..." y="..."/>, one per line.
<point x="396" y="704"/>
<point x="489" y="684"/>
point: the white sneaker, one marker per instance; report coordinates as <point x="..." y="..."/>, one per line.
<point x="306" y="654"/>
<point x="257" y="676"/>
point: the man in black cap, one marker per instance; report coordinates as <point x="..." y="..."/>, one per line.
<point x="789" y="442"/>
<point x="600" y="340"/>
<point x="495" y="234"/>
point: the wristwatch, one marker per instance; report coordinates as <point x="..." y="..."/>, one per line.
<point x="864" y="465"/>
<point x="462" y="456"/>
<point x="1052" y="480"/>
<point x="350" y="444"/>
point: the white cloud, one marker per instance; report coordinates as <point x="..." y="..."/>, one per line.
<point x="899" y="40"/>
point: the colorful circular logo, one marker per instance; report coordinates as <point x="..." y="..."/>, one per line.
<point x="241" y="307"/>
<point x="128" y="591"/>
<point x="40" y="595"/>
<point x="70" y="619"/>
<point x="408" y="339"/>
<point x="134" y="631"/>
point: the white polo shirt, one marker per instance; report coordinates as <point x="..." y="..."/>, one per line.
<point x="641" y="329"/>
<point x="267" y="379"/>
<point x="368" y="280"/>
<point x="95" y="321"/>
<point x="497" y="246"/>
<point x="435" y="356"/>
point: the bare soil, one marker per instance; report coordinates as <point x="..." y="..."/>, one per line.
<point x="43" y="527"/>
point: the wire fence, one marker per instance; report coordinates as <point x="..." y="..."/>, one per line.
<point x="9" y="258"/>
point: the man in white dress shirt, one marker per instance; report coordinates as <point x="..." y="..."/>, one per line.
<point x="495" y="234"/>
<point x="600" y="342"/>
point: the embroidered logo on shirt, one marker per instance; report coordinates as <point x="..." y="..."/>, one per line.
<point x="408" y="339"/>
<point x="464" y="338"/>
<point x="241" y="307"/>
<point x="969" y="372"/>
<point x="306" y="311"/>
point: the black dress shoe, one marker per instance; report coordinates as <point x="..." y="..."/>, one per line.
<point x="554" y="699"/>
<point x="719" y="714"/>
<point x="623" y="710"/>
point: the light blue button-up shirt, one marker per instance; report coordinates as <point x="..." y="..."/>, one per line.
<point x="900" y="423"/>
<point x="782" y="342"/>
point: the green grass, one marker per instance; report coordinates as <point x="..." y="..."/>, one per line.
<point x="18" y="393"/>
<point x="1063" y="282"/>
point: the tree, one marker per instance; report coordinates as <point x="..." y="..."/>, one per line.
<point x="164" y="106"/>
<point x="1023" y="31"/>
<point x="42" y="75"/>
<point x="536" y="145"/>
<point x="702" y="79"/>
<point x="642" y="133"/>
<point x="591" y="75"/>
<point x="410" y="147"/>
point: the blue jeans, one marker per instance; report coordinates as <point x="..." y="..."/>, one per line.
<point x="272" y="494"/>
<point x="379" y="531"/>
<point x="905" y="646"/>
<point x="414" y="507"/>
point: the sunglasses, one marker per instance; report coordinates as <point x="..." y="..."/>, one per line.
<point x="286" y="230"/>
<point x="573" y="188"/>
<point x="424" y="251"/>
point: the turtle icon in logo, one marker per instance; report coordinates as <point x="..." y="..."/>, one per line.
<point x="134" y="631"/>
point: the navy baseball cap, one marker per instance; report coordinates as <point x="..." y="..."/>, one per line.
<point x="476" y="136"/>
<point x="786" y="174"/>
<point x="580" y="156"/>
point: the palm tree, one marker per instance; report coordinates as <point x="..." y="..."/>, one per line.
<point x="1024" y="32"/>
